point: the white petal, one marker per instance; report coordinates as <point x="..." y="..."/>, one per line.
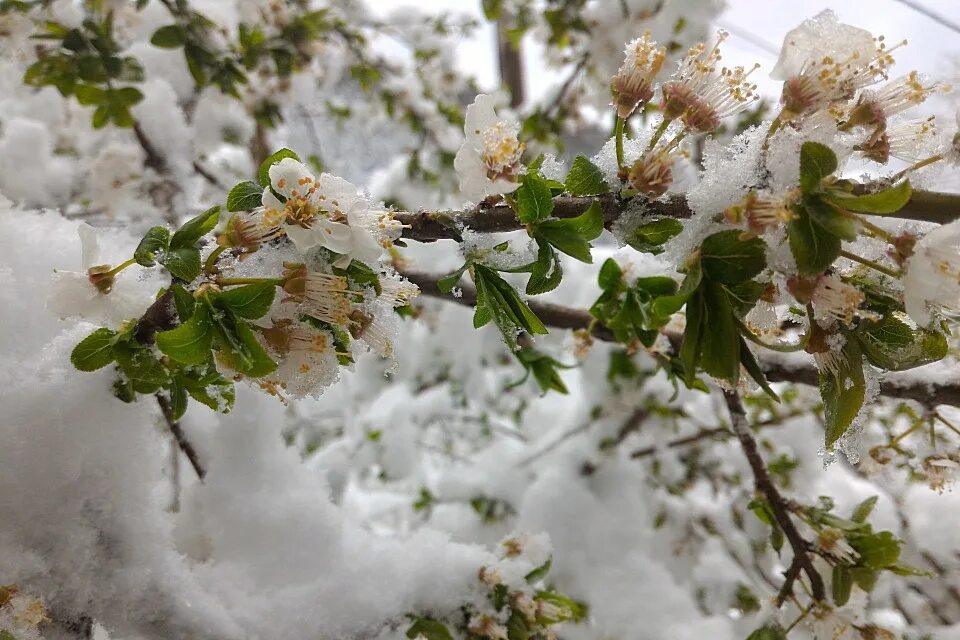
<point x="89" y="245"/>
<point x="285" y="176"/>
<point x="472" y="173"/>
<point x="822" y="35"/>
<point x="479" y="116"/>
<point x="338" y="190"/>
<point x="270" y="201"/>
<point x="303" y="239"/>
<point x="334" y="236"/>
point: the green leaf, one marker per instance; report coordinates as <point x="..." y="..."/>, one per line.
<point x="155" y="240"/>
<point x="517" y="627"/>
<point x="877" y="550"/>
<point x="498" y="301"/>
<point x="178" y="400"/>
<point x="250" y="301"/>
<point x="817" y="161"/>
<point x="771" y="631"/>
<point x="720" y="348"/>
<point x="271" y="160"/>
<point x="693" y="335"/>
<point x="546" y="272"/>
<point x="813" y="247"/>
<point x="190" y="342"/>
<point x="170" y="36"/>
<point x="534" y="199"/>
<point x="95" y="351"/>
<point x="540" y="572"/>
<point x="140" y="366"/>
<point x="585" y="178"/>
<point x="889" y="200"/>
<point x="842" y="583"/>
<point x="830" y="218"/>
<point x="665" y="306"/>
<point x="610" y="275"/>
<point x="863" y="510"/>
<point x="842" y="391"/>
<point x="244" y="196"/>
<point x="183" y="263"/>
<point x="447" y="283"/>
<point x="892" y="344"/>
<point x="207" y="386"/>
<point x="88" y="94"/>
<point x="750" y="363"/>
<point x="240" y="348"/>
<point x="864" y="577"/>
<point x="727" y="259"/>
<point x="650" y="237"/>
<point x="572" y="235"/>
<point x="195" y="228"/>
<point x="430" y="629"/>
<point x="183" y="301"/>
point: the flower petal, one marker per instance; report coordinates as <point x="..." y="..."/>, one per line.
<point x="286" y="177"/>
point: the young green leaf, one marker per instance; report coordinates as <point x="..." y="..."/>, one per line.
<point x="534" y="199"/>
<point x="244" y="196"/>
<point x="585" y="178"/>
<point x="183" y="263"/>
<point x="891" y="344"/>
<point x="240" y="348"/>
<point x="155" y="240"/>
<point x="720" y="349"/>
<point x="195" y="228"/>
<point x="830" y="218"/>
<point x="95" y="351"/>
<point x="771" y="631"/>
<point x="650" y="237"/>
<point x="447" y="283"/>
<point x="843" y="391"/>
<point x="610" y="275"/>
<point x="817" y="161"/>
<point x="842" y="583"/>
<point x="572" y="235"/>
<point x="264" y="172"/>
<point x="250" y="301"/>
<point x="727" y="259"/>
<point x="813" y="247"/>
<point x="170" y="36"/>
<point x="863" y="510"/>
<point x="183" y="301"/>
<point x="430" y="629"/>
<point x="546" y="272"/>
<point x="190" y="342"/>
<point x="889" y="200"/>
<point x="877" y="550"/>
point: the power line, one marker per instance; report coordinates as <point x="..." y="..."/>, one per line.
<point x="755" y="40"/>
<point x="933" y="15"/>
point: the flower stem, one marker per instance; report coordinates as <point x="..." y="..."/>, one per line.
<point x="870" y="263"/>
<point x="658" y="134"/>
<point x="875" y="230"/>
<point x="120" y="267"/>
<point x="618" y="135"/>
<point x="210" y="266"/>
<point x="917" y="165"/>
<point x="803" y="614"/>
<point x="782" y="348"/>
<point x="232" y="281"/>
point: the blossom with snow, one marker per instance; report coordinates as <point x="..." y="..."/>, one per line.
<point x="632" y="86"/>
<point x="652" y="173"/>
<point x="835" y="301"/>
<point x="761" y="212"/>
<point x="824" y="60"/>
<point x="931" y="282"/>
<point x="701" y="95"/>
<point x="875" y="107"/>
<point x="326" y="211"/>
<point x="908" y="140"/>
<point x="488" y="161"/>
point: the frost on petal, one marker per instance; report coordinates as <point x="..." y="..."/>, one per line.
<point x="334" y="236"/>
<point x="271" y="201"/>
<point x="303" y="239"/>
<point x="820" y="36"/>
<point x="290" y="175"/>
<point x="469" y="167"/>
<point x="932" y="278"/>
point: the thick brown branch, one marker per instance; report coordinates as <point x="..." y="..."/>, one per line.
<point x="427" y="226"/>
<point x="926" y="392"/>
<point x="765" y="485"/>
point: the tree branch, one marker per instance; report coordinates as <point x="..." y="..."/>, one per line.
<point x="926" y="392"/>
<point x="765" y="485"/>
<point x="179" y="436"/>
<point x="427" y="226"/>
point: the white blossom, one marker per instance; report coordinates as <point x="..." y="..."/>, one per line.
<point x="488" y="162"/>
<point x="932" y="278"/>
<point x="632" y="86"/>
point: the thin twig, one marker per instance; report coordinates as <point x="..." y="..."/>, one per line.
<point x="766" y="486"/>
<point x="179" y="436"/>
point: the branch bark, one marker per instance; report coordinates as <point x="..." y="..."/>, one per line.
<point x="766" y="486"/>
<point x="925" y="392"/>
<point x="427" y="226"/>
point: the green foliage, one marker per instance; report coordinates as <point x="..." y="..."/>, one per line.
<point x="817" y="161"/>
<point x="499" y="302"/>
<point x="250" y="301"/>
<point x="539" y="573"/>
<point x="546" y="272"/>
<point x="544" y="370"/>
<point x="651" y="236"/>
<point x="244" y="196"/>
<point x="888" y="200"/>
<point x="86" y="63"/>
<point x="190" y="342"/>
<point x="813" y="246"/>
<point x="429" y="628"/>
<point x="585" y="179"/>
<point x="572" y="235"/>
<point x="195" y="228"/>
<point x="157" y="239"/>
<point x="95" y="351"/>
<point x="534" y="198"/>
<point x="843" y="389"/>
<point x="892" y="344"/>
<point x="770" y="631"/>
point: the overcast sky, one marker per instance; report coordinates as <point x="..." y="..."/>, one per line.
<point x="757" y="27"/>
